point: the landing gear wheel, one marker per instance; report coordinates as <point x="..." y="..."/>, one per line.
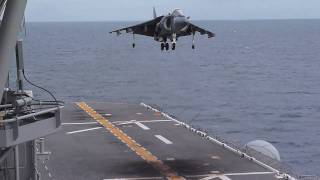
<point x="162" y="46"/>
<point x="173" y="46"/>
<point x="193" y="46"/>
<point x="167" y="46"/>
<point x="133" y="45"/>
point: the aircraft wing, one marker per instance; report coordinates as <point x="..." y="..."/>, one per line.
<point x="191" y="28"/>
<point x="146" y="28"/>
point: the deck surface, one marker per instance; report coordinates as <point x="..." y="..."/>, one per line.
<point x="137" y="143"/>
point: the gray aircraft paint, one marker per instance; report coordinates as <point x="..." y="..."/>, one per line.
<point x="166" y="28"/>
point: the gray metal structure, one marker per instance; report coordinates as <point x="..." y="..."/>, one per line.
<point x="9" y="29"/>
<point x="23" y="120"/>
<point x="166" y="28"/>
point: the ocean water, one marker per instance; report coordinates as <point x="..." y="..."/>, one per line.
<point x="255" y="80"/>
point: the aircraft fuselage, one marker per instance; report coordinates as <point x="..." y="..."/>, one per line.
<point x="170" y="27"/>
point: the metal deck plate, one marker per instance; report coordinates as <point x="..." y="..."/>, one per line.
<point x="136" y="141"/>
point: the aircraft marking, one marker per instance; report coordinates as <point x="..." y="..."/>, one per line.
<point x="132" y="144"/>
<point x="163" y="139"/>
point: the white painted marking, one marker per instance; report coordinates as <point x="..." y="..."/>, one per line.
<point x="170" y="159"/>
<point x="156" y="120"/>
<point x="225" y="176"/>
<point x="83" y="130"/>
<point x="222" y="177"/>
<point x="84" y="123"/>
<point x="138" y="113"/>
<point x="247" y="173"/>
<point x="144" y="121"/>
<point x="216" y="173"/>
<point x="163" y="139"/>
<point x="108" y="115"/>
<point x="206" y="164"/>
<point x="215" y="157"/>
<point x="142" y="178"/>
<point x="124" y="122"/>
<point x="144" y="127"/>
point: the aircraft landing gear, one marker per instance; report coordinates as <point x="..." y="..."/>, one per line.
<point x="167" y="46"/>
<point x="174" y="40"/>
<point x="162" y="46"/>
<point x="193" y="40"/>
<point x="134" y="41"/>
<point x="173" y="46"/>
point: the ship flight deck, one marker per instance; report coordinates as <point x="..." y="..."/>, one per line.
<point x="109" y="141"/>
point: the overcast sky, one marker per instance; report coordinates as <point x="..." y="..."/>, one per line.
<point x="127" y="10"/>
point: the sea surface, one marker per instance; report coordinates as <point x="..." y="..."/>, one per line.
<point x="255" y="80"/>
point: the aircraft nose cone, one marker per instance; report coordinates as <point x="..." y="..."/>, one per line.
<point x="179" y="23"/>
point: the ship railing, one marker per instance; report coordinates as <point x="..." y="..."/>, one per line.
<point x="309" y="177"/>
<point x="38" y="121"/>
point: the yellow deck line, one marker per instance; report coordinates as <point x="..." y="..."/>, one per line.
<point x="132" y="144"/>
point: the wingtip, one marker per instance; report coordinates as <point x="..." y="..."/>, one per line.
<point x="211" y="35"/>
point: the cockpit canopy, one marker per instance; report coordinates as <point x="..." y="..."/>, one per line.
<point x="177" y="12"/>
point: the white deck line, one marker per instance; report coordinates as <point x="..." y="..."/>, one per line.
<point x="222" y="177"/>
<point x="229" y="174"/>
<point x="222" y="144"/>
<point x="248" y="173"/>
<point x="142" y="126"/>
<point x="139" y="178"/>
<point x="83" y="130"/>
<point x="84" y="123"/>
<point x="163" y="139"/>
<point x="143" y="121"/>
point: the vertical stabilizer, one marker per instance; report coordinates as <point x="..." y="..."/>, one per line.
<point x="154" y="12"/>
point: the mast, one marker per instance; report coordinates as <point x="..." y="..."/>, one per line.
<point x="9" y="29"/>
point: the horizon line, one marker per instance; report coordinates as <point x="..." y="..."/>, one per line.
<point x="260" y="19"/>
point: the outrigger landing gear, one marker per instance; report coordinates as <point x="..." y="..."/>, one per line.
<point x="193" y="41"/>
<point x="134" y="39"/>
<point x="174" y="40"/>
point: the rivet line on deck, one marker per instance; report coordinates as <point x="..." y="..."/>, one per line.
<point x="132" y="144"/>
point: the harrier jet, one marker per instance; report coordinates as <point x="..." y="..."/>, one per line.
<point x="166" y="28"/>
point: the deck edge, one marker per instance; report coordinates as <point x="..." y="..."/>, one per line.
<point x="224" y="145"/>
